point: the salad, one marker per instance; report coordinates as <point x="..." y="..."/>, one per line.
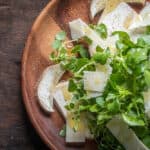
<point x="107" y="94"/>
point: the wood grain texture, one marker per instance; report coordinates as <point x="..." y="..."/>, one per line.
<point x="16" y="19"/>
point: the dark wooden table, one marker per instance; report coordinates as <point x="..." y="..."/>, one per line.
<point x="16" y="19"/>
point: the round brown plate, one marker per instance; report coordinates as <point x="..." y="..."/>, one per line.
<point x="53" y="18"/>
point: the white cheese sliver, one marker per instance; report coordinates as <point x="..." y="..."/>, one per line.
<point x="72" y="136"/>
<point x="49" y="79"/>
<point x="94" y="81"/>
<point x="120" y="18"/>
<point x="125" y="135"/>
<point x="99" y="5"/>
<point x="143" y="21"/>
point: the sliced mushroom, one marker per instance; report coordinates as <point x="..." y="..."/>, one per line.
<point x="49" y="79"/>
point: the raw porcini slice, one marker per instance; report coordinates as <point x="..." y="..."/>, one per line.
<point x="125" y="135"/>
<point x="117" y="19"/>
<point x="49" y="79"/>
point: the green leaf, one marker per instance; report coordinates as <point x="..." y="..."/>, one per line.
<point x="87" y="40"/>
<point x="110" y="96"/>
<point x="114" y="106"/>
<point x="99" y="49"/>
<point x="122" y="35"/>
<point x="62" y="132"/>
<point x="101" y="57"/>
<point x="94" y="108"/>
<point x="136" y="55"/>
<point x="101" y="29"/>
<point x="81" y="50"/>
<point x="132" y="120"/>
<point x="148" y="30"/>
<point x="56" y="44"/>
<point x="100" y="101"/>
<point x="102" y="117"/>
<point x="146" y="141"/>
<point x="147" y="77"/>
<point x="60" y="36"/>
<point x="72" y="85"/>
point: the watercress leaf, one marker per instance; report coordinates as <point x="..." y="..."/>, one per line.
<point x="147" y="30"/>
<point x="99" y="49"/>
<point x="146" y="141"/>
<point x="122" y="35"/>
<point x="110" y="96"/>
<point x="147" y="77"/>
<point x="56" y="44"/>
<point x="101" y="57"/>
<point x="114" y="106"/>
<point x="61" y="36"/>
<point x="133" y="120"/>
<point x="72" y="86"/>
<point x="87" y="40"/>
<point x="94" y="108"/>
<point x="102" y="117"/>
<point x="62" y="132"/>
<point x="101" y="29"/>
<point x="81" y="50"/>
<point x="100" y="101"/>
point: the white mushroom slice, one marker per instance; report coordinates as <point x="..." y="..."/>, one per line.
<point x="49" y="79"/>
<point x="147" y="102"/>
<point x="96" y="7"/>
<point x="125" y="135"/>
<point x="97" y="83"/>
<point x="117" y="19"/>
<point x="61" y="96"/>
<point x="71" y="135"/>
<point x="80" y="29"/>
<point x="99" y="5"/>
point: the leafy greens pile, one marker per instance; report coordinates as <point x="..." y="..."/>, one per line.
<point x="123" y="94"/>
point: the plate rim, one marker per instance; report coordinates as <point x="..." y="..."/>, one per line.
<point x="25" y="95"/>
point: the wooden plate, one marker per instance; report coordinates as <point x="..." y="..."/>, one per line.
<point x="53" y="18"/>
